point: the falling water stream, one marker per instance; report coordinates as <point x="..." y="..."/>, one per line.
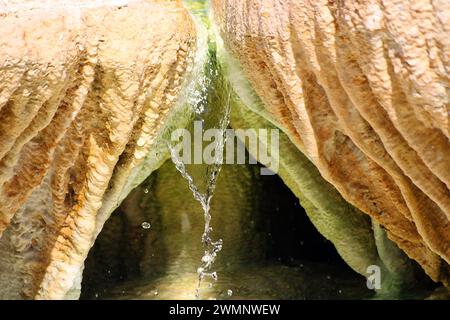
<point x="199" y="100"/>
<point x="212" y="248"/>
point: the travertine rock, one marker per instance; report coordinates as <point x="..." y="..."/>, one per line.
<point x="361" y="88"/>
<point x="85" y="91"/>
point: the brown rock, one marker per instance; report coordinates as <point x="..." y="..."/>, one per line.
<point x="85" y="88"/>
<point x="362" y="90"/>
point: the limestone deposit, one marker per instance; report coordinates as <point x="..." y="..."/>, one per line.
<point x="361" y="88"/>
<point x="86" y="88"/>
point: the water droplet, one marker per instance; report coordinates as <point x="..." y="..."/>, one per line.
<point x="145" y="225"/>
<point x="145" y="190"/>
<point x="140" y="142"/>
<point x="155" y="293"/>
<point x="230" y="292"/>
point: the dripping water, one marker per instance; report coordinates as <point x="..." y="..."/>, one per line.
<point x="200" y="104"/>
<point x="204" y="198"/>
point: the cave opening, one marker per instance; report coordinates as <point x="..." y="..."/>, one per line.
<point x="150" y="247"/>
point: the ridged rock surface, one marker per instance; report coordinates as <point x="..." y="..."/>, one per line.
<point x="85" y="89"/>
<point x="361" y="88"/>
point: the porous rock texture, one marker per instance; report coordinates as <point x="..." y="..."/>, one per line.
<point x="362" y="89"/>
<point x="86" y="89"/>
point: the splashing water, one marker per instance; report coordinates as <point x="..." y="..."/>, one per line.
<point x="212" y="248"/>
<point x="145" y="225"/>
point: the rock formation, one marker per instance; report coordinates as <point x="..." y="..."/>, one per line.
<point x="86" y="90"/>
<point x="91" y="90"/>
<point x="361" y="88"/>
